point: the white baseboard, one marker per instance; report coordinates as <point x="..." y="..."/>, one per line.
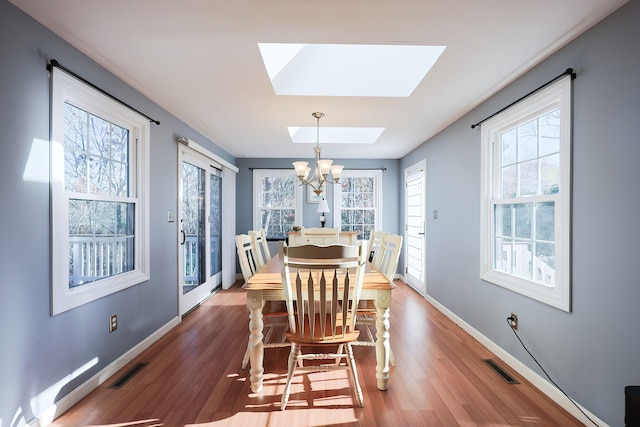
<point x="538" y="381"/>
<point x="47" y="416"/>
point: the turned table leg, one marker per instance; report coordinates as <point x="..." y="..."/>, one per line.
<point x="255" y="303"/>
<point x="383" y="302"/>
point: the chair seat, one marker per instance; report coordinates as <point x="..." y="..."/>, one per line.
<point x="327" y="338"/>
<point x="274" y="308"/>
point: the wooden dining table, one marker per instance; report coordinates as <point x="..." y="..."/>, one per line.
<point x="266" y="285"/>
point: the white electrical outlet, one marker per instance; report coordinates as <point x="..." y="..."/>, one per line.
<point x="113" y="322"/>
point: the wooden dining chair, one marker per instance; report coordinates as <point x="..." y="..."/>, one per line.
<point x="385" y="260"/>
<point x="319" y="236"/>
<point x="259" y="239"/>
<point x="324" y="284"/>
<point x="375" y="240"/>
<point x="273" y="330"/>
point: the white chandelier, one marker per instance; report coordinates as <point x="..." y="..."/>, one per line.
<point x="323" y="167"/>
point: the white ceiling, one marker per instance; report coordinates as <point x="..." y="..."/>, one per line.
<point x="200" y="60"/>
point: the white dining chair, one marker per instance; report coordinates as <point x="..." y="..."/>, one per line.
<point x="375" y="240"/>
<point x="275" y="318"/>
<point x="261" y="247"/>
<point x="326" y="284"/>
<point x="385" y="260"/>
<point x="247" y="257"/>
<point x="386" y="257"/>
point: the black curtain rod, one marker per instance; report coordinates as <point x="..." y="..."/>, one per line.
<point x="347" y="169"/>
<point x="54" y="63"/>
<point x="568" y="72"/>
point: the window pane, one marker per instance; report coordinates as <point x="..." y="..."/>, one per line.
<point x="523" y="214"/>
<point x="364" y="184"/>
<point x="80" y="218"/>
<point x="503" y="220"/>
<point x="125" y="219"/>
<point x="522" y="259"/>
<point x="75" y="171"/>
<point x="358" y="216"/>
<point x="545" y="263"/>
<point x="99" y="137"/>
<point x="101" y="240"/>
<point x="346" y="217"/>
<point x="119" y="144"/>
<point x="75" y="128"/>
<point x="550" y="133"/>
<point x="369" y="217"/>
<point x="119" y="179"/>
<point x="503" y="254"/>
<point x="278" y="192"/>
<point x="105" y="215"/>
<point x="215" y="228"/>
<point x="545" y="224"/>
<point x="508" y="148"/>
<point x="508" y="179"/>
<point x="529" y="178"/>
<point x="550" y="174"/>
<point x="98" y="175"/>
<point x="528" y="141"/>
<point x="277" y="222"/>
<point x="96" y="154"/>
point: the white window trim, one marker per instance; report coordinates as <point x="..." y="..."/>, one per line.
<point x="66" y="88"/>
<point x="258" y="174"/>
<point x="376" y="174"/>
<point x="557" y="95"/>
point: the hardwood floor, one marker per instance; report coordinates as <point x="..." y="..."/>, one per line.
<point x="193" y="378"/>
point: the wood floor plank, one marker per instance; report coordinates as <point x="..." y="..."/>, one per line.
<point x="193" y="378"/>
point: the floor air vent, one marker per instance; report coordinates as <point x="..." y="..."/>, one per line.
<point x="128" y="375"/>
<point x="505" y="376"/>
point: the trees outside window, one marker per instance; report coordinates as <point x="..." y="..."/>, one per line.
<point x="277" y="199"/>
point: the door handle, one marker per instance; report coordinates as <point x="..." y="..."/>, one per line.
<point x="422" y="234"/>
<point x="184" y="236"/>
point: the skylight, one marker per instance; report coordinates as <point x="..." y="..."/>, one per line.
<point x="347" y="70"/>
<point x="335" y="135"/>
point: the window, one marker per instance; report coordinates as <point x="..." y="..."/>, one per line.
<point x="277" y="201"/>
<point x="99" y="187"/>
<point x="526" y="194"/>
<point x="358" y="202"/>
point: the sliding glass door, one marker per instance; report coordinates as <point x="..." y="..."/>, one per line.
<point x="200" y="214"/>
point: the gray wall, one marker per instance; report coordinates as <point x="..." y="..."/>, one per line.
<point x="594" y="351"/>
<point x="37" y="350"/>
<point x="390" y="183"/>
